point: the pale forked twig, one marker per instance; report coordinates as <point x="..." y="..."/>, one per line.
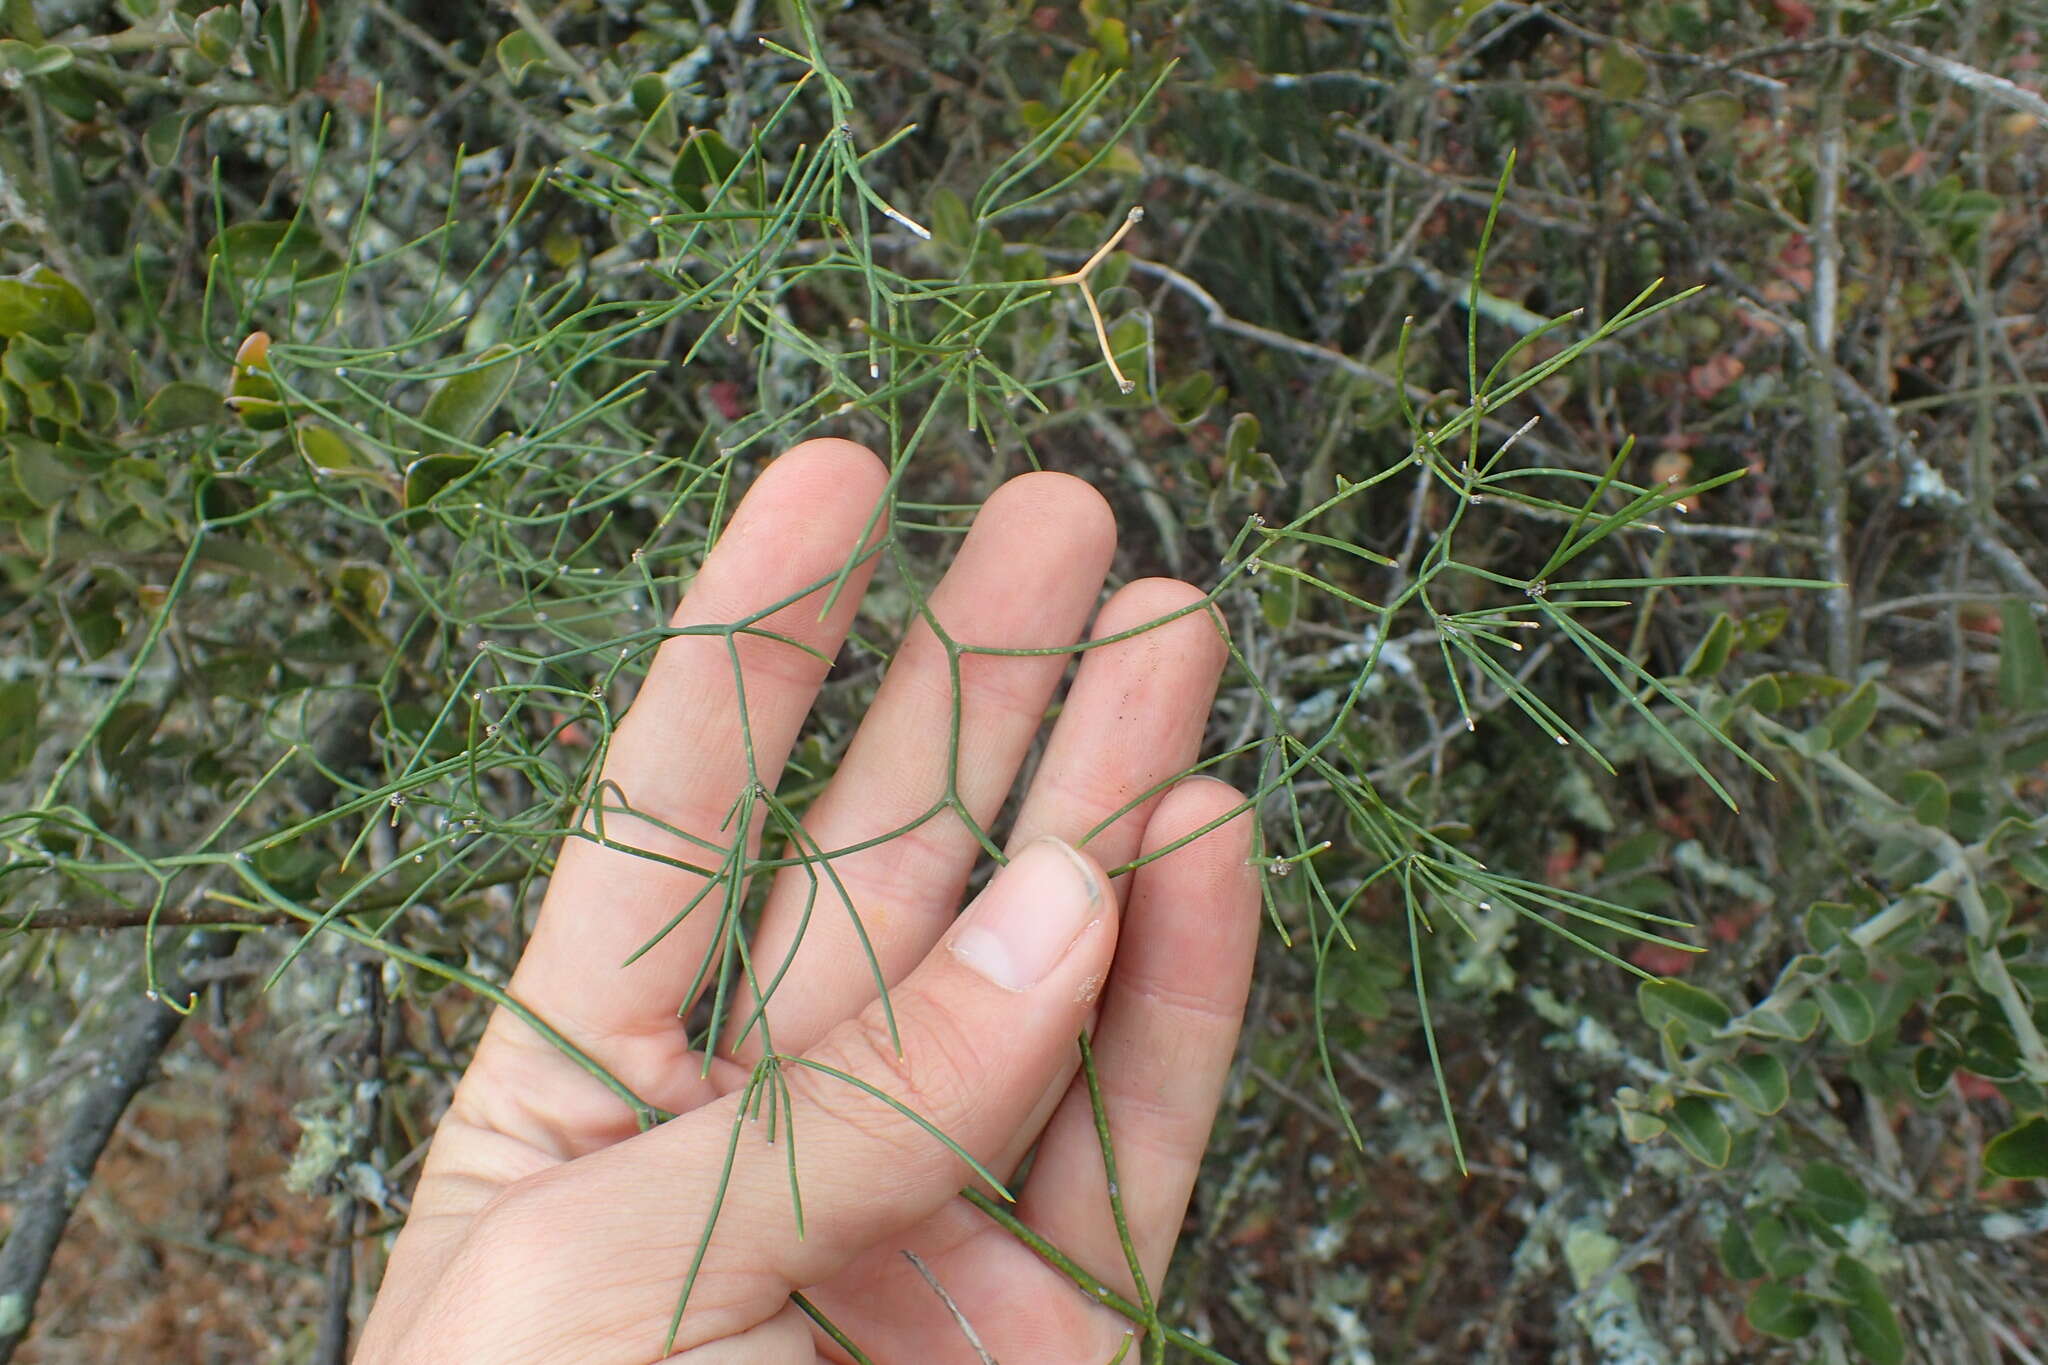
<point x="1080" y="277"/>
<point x="959" y="1318"/>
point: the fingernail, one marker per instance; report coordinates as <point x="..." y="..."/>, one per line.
<point x="1018" y="929"/>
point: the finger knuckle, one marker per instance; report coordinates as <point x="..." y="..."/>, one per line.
<point x="932" y="1073"/>
<point x="521" y="1219"/>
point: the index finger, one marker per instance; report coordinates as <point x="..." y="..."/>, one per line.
<point x="716" y="716"/>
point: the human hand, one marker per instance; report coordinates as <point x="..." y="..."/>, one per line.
<point x="545" y="1227"/>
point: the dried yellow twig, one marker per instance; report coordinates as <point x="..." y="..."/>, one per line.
<point x="1080" y="277"/>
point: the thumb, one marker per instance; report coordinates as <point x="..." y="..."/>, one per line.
<point x="593" y="1252"/>
<point x="986" y="1022"/>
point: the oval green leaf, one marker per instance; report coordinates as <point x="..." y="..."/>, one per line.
<point x="1794" y="1021"/>
<point x="181" y="404"/>
<point x="1828" y="924"/>
<point x="1698" y="1127"/>
<point x="1927" y="794"/>
<point x="163" y="137"/>
<point x="1873" y="1326"/>
<point x="518" y="54"/>
<point x="1666" y="999"/>
<point x="1640" y="1125"/>
<point x="1710" y="656"/>
<point x="706" y="162"/>
<point x="1738" y="1257"/>
<point x="1932" y="1067"/>
<point x="1241" y="439"/>
<point x="1853" y="716"/>
<point x="1623" y="75"/>
<point x="276" y="251"/>
<point x="43" y="304"/>
<point x="1188" y="400"/>
<point x="462" y="402"/>
<point x="2022" y="662"/>
<point x="1778" y="1310"/>
<point x="333" y="454"/>
<point x="366" y="586"/>
<point x="258" y="414"/>
<point x="2020" y="1152"/>
<point x="42" y="473"/>
<point x="32" y="60"/>
<point x="1758" y="1082"/>
<point x="1848" y="1012"/>
<point x="1832" y="1192"/>
<point x="429" y="474"/>
<point x="18" y="733"/>
<point x="1761" y="693"/>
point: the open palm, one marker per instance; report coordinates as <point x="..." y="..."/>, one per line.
<point x="547" y="1227"/>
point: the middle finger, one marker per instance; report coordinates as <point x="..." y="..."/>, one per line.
<point x="1026" y="577"/>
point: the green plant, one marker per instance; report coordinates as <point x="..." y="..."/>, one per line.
<point x="393" y="499"/>
<point x="434" y="480"/>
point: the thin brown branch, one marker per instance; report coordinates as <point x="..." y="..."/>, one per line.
<point x="44" y="1199"/>
<point x="1838" y="604"/>
<point x="112" y="916"/>
<point x="1992" y="87"/>
<point x="1925" y="486"/>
